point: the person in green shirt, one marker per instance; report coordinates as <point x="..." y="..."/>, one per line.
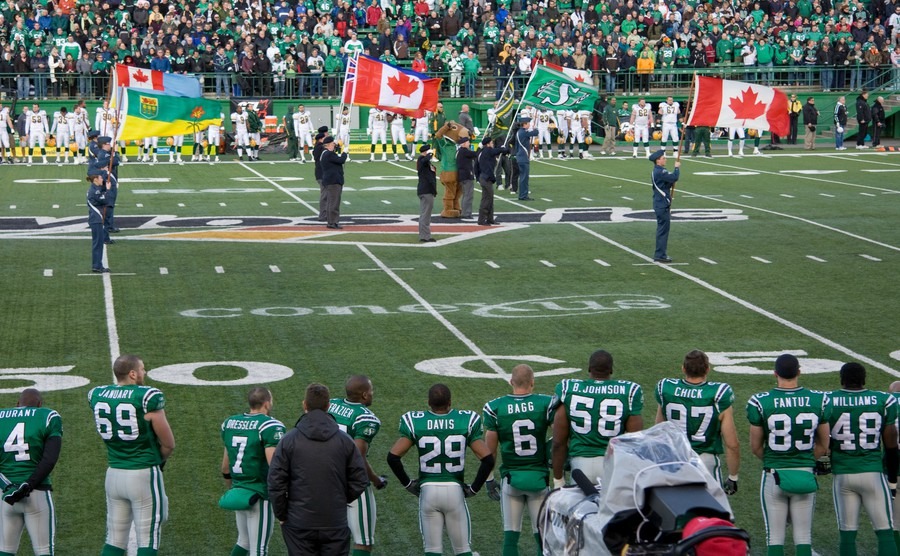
<point x="765" y="58"/>
<point x="288" y="122"/>
<point x="610" y="127"/>
<point x="334" y="72"/>
<point x="864" y="458"/>
<point x="471" y="69"/>
<point x="788" y="432"/>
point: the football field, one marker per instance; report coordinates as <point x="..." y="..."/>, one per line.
<point x="222" y="279"/>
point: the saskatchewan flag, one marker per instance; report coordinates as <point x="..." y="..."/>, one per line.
<point x="149" y="114"/>
<point x="554" y="90"/>
<point x="503" y="115"/>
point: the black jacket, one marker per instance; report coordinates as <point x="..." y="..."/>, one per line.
<point x="315" y="472"/>
<point x="427" y="178"/>
<point x="318" y="149"/>
<point x="810" y="114"/>
<point x="332" y="167"/>
<point x="465" y="163"/>
<point x="863" y="114"/>
<point x="840" y="115"/>
<point x="487" y="162"/>
<point x="878" y="113"/>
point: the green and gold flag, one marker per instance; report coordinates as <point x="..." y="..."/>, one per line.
<point x="554" y="90"/>
<point x="155" y="115"/>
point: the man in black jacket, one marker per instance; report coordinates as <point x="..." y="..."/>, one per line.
<point x="317" y="151"/>
<point x="315" y="472"/>
<point x="863" y="117"/>
<point x="487" y="161"/>
<point x="333" y="180"/>
<point x="810" y="120"/>
<point x="465" y="164"/>
<point x="878" y="120"/>
<point x="426" y="190"/>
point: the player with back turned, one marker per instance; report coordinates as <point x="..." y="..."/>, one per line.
<point x="354" y="417"/>
<point x="32" y="439"/>
<point x="517" y="423"/>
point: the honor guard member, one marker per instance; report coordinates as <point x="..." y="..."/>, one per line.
<point x="131" y="420"/>
<point x="732" y="132"/>
<point x="175" y="149"/>
<point x="241" y="134"/>
<point x="517" y="424"/>
<point x="36" y="128"/>
<point x="377" y="130"/>
<point x="485" y="170"/>
<point x="287" y="121"/>
<point x="61" y="131"/>
<point x="587" y="413"/>
<point x="398" y="135"/>
<point x="107" y="165"/>
<point x="420" y="133"/>
<point x="342" y="130"/>
<point x="544" y="119"/>
<point x="32" y="441"/>
<point x="317" y="166"/>
<point x="663" y="181"/>
<point x="333" y="181"/>
<point x="250" y="439"/>
<point x="92" y="147"/>
<point x="704" y="410"/>
<point x="303" y="126"/>
<point x="641" y="122"/>
<point x="523" y="154"/>
<point x="97" y="206"/>
<point x="254" y="129"/>
<point x="466" y="167"/>
<point x="6" y="127"/>
<point x="669" y="111"/>
<point x="213" y="138"/>
<point x="788" y="432"/>
<point x="354" y="417"/>
<point x="864" y="458"/>
<point x="441" y="436"/>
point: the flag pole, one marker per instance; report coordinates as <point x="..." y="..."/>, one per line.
<point x="518" y="107"/>
<point x="681" y="139"/>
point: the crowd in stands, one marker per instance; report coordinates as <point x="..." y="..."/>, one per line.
<point x="300" y="49"/>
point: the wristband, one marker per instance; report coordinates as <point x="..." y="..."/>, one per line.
<point x="733" y="478"/>
<point x="226" y="476"/>
<point x="559" y="483"/>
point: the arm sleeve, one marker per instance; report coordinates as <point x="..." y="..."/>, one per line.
<point x="396" y="465"/>
<point x="484" y="470"/>
<point x="50" y="456"/>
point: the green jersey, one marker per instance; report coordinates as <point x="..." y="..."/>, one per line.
<point x="441" y="440"/>
<point x="857" y="419"/>
<point x="246" y="437"/>
<point x="119" y="414"/>
<point x="597" y="411"/>
<point x="24" y="430"/>
<point x="355" y="419"/>
<point x="521" y="423"/>
<point x="789" y="419"/>
<point x="695" y="408"/>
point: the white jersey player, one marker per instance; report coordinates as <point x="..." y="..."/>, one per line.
<point x="105" y="120"/>
<point x="80" y="130"/>
<point x="6" y="127"/>
<point x="545" y="119"/>
<point x="175" y="149"/>
<point x="341" y="130"/>
<point x="739" y="132"/>
<point x="303" y="127"/>
<point x="378" y="130"/>
<point x="583" y="131"/>
<point x="398" y="135"/>
<point x="564" y="128"/>
<point x="420" y="133"/>
<point x="61" y="131"/>
<point x="641" y="122"/>
<point x="669" y="111"/>
<point x="239" y="120"/>
<point x="149" y="148"/>
<point x="214" y="137"/>
<point x="36" y="128"/>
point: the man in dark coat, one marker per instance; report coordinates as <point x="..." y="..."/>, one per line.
<point x="333" y="180"/>
<point x="465" y="165"/>
<point x="426" y="190"/>
<point x="315" y="472"/>
<point x="863" y="118"/>
<point x="810" y="120"/>
<point x="878" y="120"/>
<point x="523" y="153"/>
<point x="663" y="182"/>
<point x="487" y="161"/>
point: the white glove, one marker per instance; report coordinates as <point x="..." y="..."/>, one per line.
<point x="559" y="483"/>
<point x="840" y="129"/>
<point x="369" y="131"/>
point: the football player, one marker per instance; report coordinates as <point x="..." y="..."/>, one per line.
<point x="788" y="432"/>
<point x="62" y="131"/>
<point x="342" y="130"/>
<point x="80" y="129"/>
<point x="864" y="458"/>
<point x="36" y="128"/>
<point x="32" y="441"/>
<point x="250" y="439"/>
<point x="420" y="135"/>
<point x="175" y="149"/>
<point x="213" y="137"/>
<point x="398" y="135"/>
<point x="705" y="412"/>
<point x="104" y="122"/>
<point x="669" y="112"/>
<point x="517" y="423"/>
<point x="588" y="412"/>
<point x="303" y="127"/>
<point x="149" y="148"/>
<point x="544" y="120"/>
<point x="564" y="127"/>
<point x="441" y="436"/>
<point x="354" y="417"/>
<point x="6" y="127"/>
<point x="241" y="134"/>
<point x="732" y="132"/>
<point x="583" y="132"/>
<point x="131" y="420"/>
<point x="377" y="130"/>
<point x="641" y="122"/>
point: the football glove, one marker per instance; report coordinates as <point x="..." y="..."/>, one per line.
<point x="731" y="485"/>
<point x="493" y="490"/>
<point x="468" y="492"/>
<point x="384" y="481"/>
<point x="19" y="493"/>
<point x="413" y="487"/>
<point x="823" y="466"/>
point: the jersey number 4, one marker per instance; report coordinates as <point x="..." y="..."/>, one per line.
<point x="15" y="442"/>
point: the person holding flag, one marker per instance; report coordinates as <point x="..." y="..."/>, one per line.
<point x="663" y="183"/>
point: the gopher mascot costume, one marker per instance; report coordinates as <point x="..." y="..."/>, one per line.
<point x="445" y="143"/>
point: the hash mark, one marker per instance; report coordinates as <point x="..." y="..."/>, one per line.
<point x="492" y="264"/>
<point x="274" y="268"/>
<point x="48" y="272"/>
<point x="867" y="194"/>
<point x="786" y="195"/>
<point x="747" y="196"/>
<point x="762" y="260"/>
<point x="548" y="264"/>
<point x="220" y="270"/>
<point x="329" y="268"/>
<point x="707" y="261"/>
<point x="826" y="195"/>
<point x="222" y="205"/>
<point x="56" y="206"/>
<point x="263" y="204"/>
<point x="587" y="199"/>
<point x="870" y="258"/>
<point x="601" y="262"/>
<point x="139" y="205"/>
<point x="385" y="201"/>
<point x="163" y="270"/>
<point x="439" y="266"/>
<point x="181" y="205"/>
<point x="817" y="259"/>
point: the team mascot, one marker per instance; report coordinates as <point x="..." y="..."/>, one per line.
<point x="445" y="139"/>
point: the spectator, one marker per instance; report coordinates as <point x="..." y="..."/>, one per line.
<point x="316" y="66"/>
<point x="334" y="71"/>
<point x="22" y="67"/>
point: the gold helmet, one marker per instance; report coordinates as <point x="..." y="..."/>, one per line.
<point x="657" y="135"/>
<point x="588" y="139"/>
<point x="410" y="137"/>
<point x="170" y="141"/>
<point x="51" y="141"/>
<point x="752" y="132"/>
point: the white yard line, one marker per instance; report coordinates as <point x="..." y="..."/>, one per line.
<point x="548" y="264"/>
<point x="817" y="259"/>
<point x="329" y="268"/>
<point x="871" y="258"/>
<point x="290" y="194"/>
<point x="601" y="262"/>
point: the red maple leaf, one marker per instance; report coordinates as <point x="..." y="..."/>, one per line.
<point x="747" y="107"/>
<point x="403" y="85"/>
<point x="579" y="78"/>
<point x="197" y="113"/>
<point x="140" y="77"/>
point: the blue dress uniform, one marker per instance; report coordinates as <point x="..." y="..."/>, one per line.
<point x="662" y="181"/>
<point x="100" y="165"/>
<point x="96" y="202"/>
<point x="523" y="152"/>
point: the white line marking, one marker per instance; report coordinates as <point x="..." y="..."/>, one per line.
<point x="385" y="201"/>
<point x="56" y="206"/>
<point x="329" y="268"/>
<point x="746" y="304"/>
<point x="344" y="202"/>
<point x="222" y="205"/>
<point x="786" y="195"/>
<point x="220" y="270"/>
<point x="601" y="262"/>
<point x="870" y="258"/>
<point x="762" y="260"/>
<point x="439" y="266"/>
<point x="867" y="194"/>
<point x="379" y="270"/>
<point x="587" y="199"/>
<point x="12" y="207"/>
<point x="627" y="198"/>
<point x="48" y="272"/>
<point x="817" y="259"/>
<point x="139" y="205"/>
<point x="546" y="199"/>
<point x="181" y="205"/>
<point x="707" y="261"/>
<point x="431" y="310"/>
<point x="163" y="270"/>
<point x="548" y="264"/>
<point x="747" y="196"/>
<point x="282" y="189"/>
<point x="796" y="175"/>
<point x="879" y="170"/>
<point x="274" y="269"/>
<point x="654" y="263"/>
<point x="263" y="204"/>
<point x="826" y="195"/>
<point x="492" y="264"/>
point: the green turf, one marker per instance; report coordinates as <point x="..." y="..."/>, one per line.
<point x="527" y="289"/>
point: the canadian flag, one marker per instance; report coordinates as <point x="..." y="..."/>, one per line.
<point x="371" y="82"/>
<point x="582" y="76"/>
<point x="139" y="78"/>
<point x="724" y="103"/>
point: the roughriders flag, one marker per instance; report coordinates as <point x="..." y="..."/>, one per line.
<point x="582" y="76"/>
<point x="553" y="90"/>
<point x="724" y="103"/>
<point x="370" y="82"/>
